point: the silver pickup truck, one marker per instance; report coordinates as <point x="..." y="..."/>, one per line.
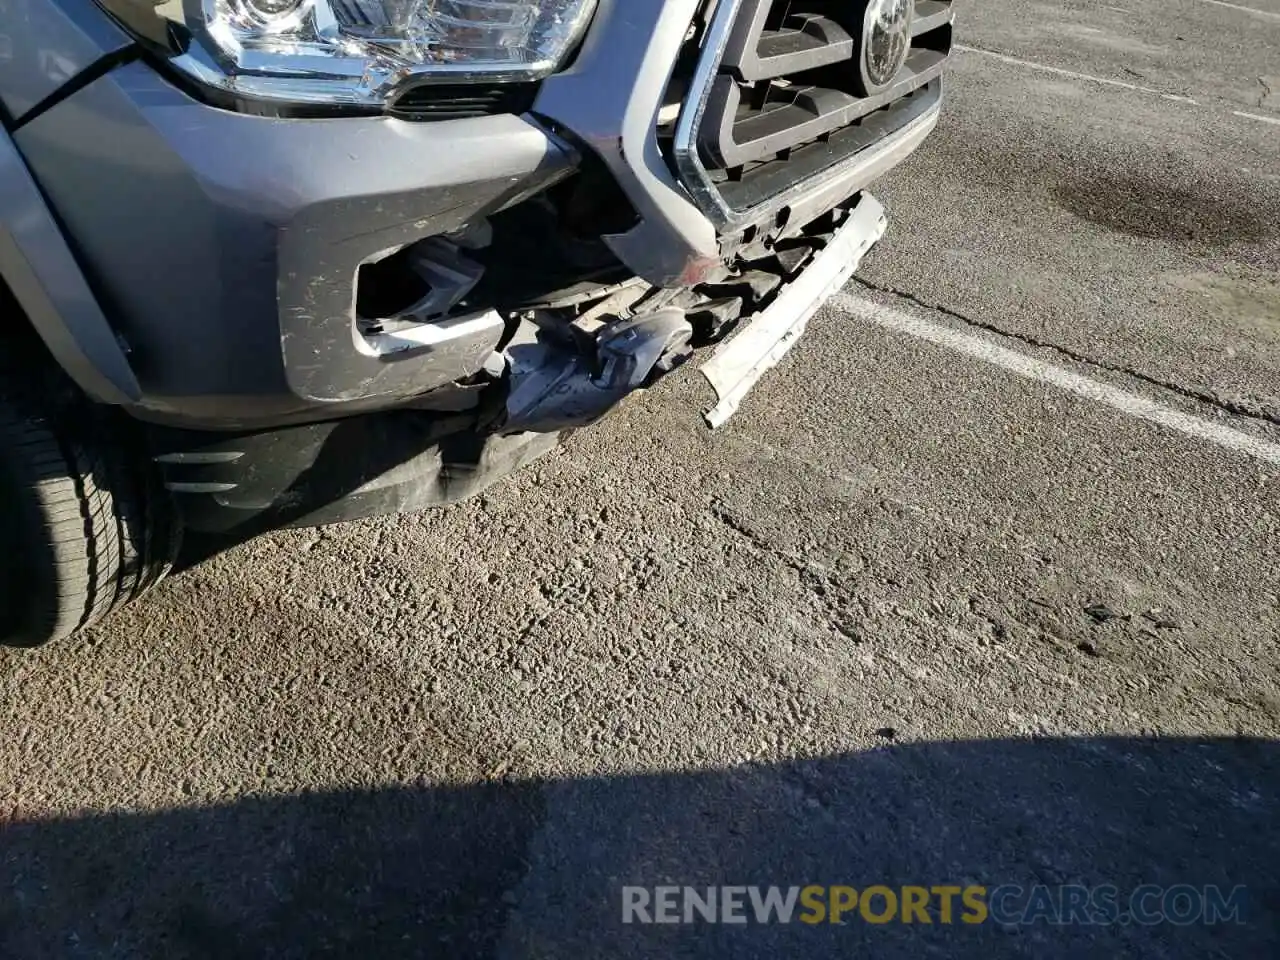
<point x="273" y="263"/>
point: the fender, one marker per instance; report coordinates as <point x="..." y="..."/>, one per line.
<point x="46" y="45"/>
<point x="47" y="282"/>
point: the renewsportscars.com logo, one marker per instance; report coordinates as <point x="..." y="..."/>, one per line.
<point x="1008" y="904"/>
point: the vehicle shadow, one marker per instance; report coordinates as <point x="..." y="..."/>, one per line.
<point x="535" y="868"/>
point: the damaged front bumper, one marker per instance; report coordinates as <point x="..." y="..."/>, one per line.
<point x="341" y="325"/>
<point x="739" y="363"/>
<point x="550" y="379"/>
<point x="555" y="384"/>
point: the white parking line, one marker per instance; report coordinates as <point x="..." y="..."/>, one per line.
<point x="1105" y="81"/>
<point x="1265" y="14"/>
<point x="1074" y="75"/>
<point x="1132" y="404"/>
<point x="1257" y="116"/>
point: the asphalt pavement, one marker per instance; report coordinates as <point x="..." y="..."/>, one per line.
<point x="981" y="587"/>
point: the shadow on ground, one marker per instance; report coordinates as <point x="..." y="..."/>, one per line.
<point x="535" y="868"/>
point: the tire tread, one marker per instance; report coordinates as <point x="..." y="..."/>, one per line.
<point x="107" y="529"/>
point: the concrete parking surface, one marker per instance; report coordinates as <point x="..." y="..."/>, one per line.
<point x="981" y="587"/>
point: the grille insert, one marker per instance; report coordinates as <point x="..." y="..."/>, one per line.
<point x="783" y="96"/>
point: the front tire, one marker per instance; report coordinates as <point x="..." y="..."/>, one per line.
<point x="85" y="524"/>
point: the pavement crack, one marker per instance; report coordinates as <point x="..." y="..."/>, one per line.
<point x="756" y="540"/>
<point x="1225" y="404"/>
<point x="827" y="587"/>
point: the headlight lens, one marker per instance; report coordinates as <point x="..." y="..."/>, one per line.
<point x="355" y="51"/>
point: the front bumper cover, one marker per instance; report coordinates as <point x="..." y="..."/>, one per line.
<point x="225" y="247"/>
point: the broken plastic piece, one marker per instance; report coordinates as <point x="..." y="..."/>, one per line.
<point x="556" y="387"/>
<point x="739" y="363"/>
<point x="714" y="320"/>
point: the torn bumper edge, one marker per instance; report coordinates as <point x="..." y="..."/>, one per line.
<point x="739" y="363"/>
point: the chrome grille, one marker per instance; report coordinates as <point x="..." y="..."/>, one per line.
<point x="779" y="97"/>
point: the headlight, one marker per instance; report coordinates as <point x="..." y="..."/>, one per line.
<point x="355" y="51"/>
